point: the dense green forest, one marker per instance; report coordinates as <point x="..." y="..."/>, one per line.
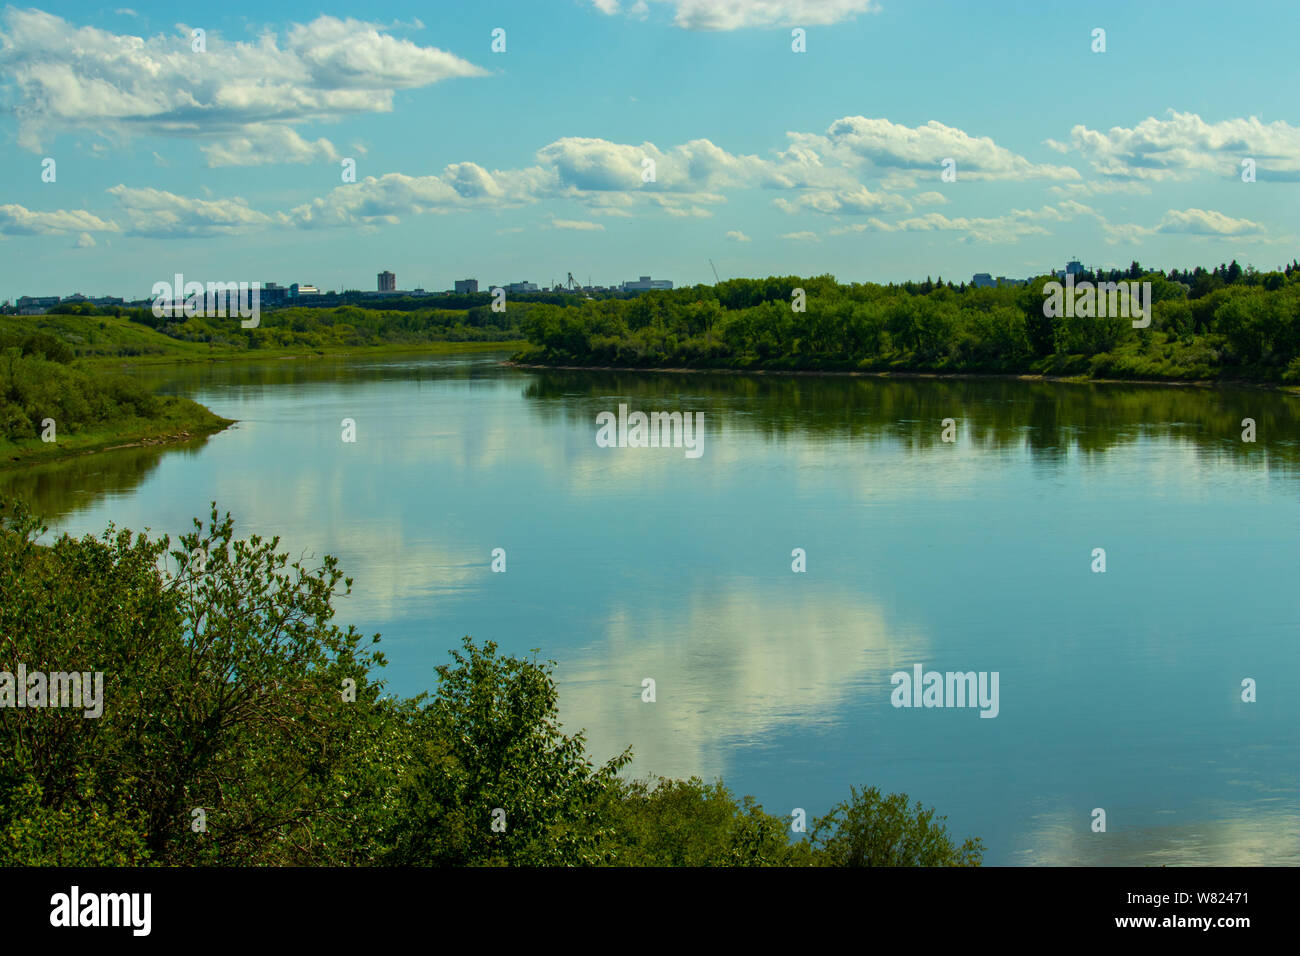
<point x="240" y="726"/>
<point x="1228" y="323"/>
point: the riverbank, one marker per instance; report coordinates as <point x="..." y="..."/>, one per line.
<point x="179" y="421"/>
<point x="297" y="353"/>
<point x="976" y="376"/>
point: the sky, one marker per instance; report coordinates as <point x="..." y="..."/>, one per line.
<point x="620" y="138"/>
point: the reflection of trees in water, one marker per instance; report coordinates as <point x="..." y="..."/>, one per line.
<point x="58" y="488"/>
<point x="252" y="377"/>
<point x="1049" y="418"/>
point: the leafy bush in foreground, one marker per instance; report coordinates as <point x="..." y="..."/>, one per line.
<point x="241" y="727"/>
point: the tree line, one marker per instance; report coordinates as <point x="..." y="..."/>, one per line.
<point x="1229" y="323"/>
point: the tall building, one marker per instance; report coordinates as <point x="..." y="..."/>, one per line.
<point x="466" y="286"/>
<point x="645" y="282"/>
<point x="300" y="289"/>
<point x="387" y="282"/>
<point x="981" y="280"/>
<point x="524" y="286"/>
<point x="272" y="293"/>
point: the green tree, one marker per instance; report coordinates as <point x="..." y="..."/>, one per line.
<point x="869" y="829"/>
<point x="494" y="780"/>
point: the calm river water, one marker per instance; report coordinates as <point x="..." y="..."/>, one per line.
<point x="1119" y="690"/>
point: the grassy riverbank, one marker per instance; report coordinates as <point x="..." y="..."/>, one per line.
<point x="175" y="421"/>
<point x="65" y="369"/>
<point x="112" y="341"/>
<point x="226" y="354"/>
<point x="53" y="407"/>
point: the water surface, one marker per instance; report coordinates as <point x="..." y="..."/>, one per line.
<point x="1119" y="690"/>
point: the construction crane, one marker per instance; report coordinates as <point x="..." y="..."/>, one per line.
<point x="715" y="271"/>
<point x="573" y="284"/>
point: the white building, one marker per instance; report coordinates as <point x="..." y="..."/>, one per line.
<point x="645" y="283"/>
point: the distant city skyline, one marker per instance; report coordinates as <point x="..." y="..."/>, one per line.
<point x="674" y="135"/>
<point x="273" y="292"/>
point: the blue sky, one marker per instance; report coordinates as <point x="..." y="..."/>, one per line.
<point x="225" y="164"/>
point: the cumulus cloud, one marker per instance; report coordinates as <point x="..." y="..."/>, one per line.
<point x="1187" y="222"/>
<point x="385" y="199"/>
<point x="265" y="143"/>
<point x="857" y="200"/>
<point x="1181" y="145"/>
<point x="62" y="76"/>
<point x="817" y="174"/>
<point x="1007" y="228"/>
<point x="735" y="235"/>
<point x="910" y="152"/>
<point x="814" y="173"/>
<point x="587" y="164"/>
<point x="157" y="213"/>
<point x="18" y="220"/>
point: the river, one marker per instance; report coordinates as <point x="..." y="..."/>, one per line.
<point x="1120" y="691"/>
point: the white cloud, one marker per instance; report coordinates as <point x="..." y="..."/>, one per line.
<point x="578" y="225"/>
<point x="85" y="241"/>
<point x="930" y="198"/>
<point x="855" y="201"/>
<point x="66" y="77"/>
<point x="804" y="236"/>
<point x="17" y="220"/>
<point x="1182" y="145"/>
<point x="158" y="213"/>
<point x="266" y="143"/>
<point x="913" y="152"/>
<point x="385" y="199"/>
<point x="1187" y="222"/>
<point x="1008" y="228"/>
<point x="692" y="212"/>
<point x="589" y="165"/>
<point x="735" y="235"/>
